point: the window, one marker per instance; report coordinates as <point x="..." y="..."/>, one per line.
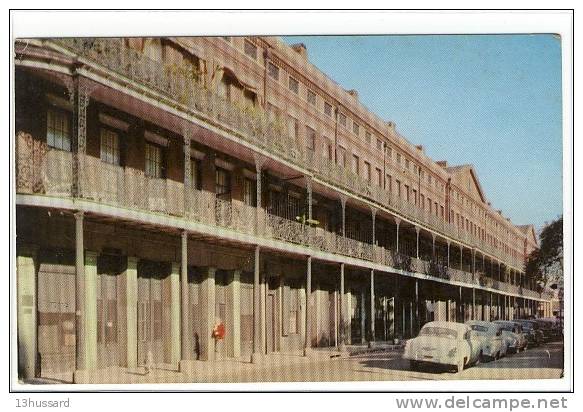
<point x="342" y="156"/>
<point x="273" y="71"/>
<point x="367" y="137"/>
<point x="58" y="130"/>
<point x="407" y="192"/>
<point x="153" y="160"/>
<point x="407" y="164"/>
<point x="379" y="177"/>
<point x="368" y="171"/>
<point x="342" y="119"/>
<point x="250" y="192"/>
<point x="390" y="183"/>
<point x="327" y="109"/>
<point x="294" y="128"/>
<point x="223" y="184"/>
<point x="109" y="146"/>
<point x="250" y="49"/>
<point x="398" y="188"/>
<point x="294" y="85"/>
<point x="380" y="146"/>
<point x="429" y="178"/>
<point x="310" y="138"/>
<point x="422" y="201"/>
<point x="195" y="174"/>
<point x="355" y="128"/>
<point x="329" y="150"/>
<point x="355" y="164"/>
<point x="398" y="158"/>
<point x="311" y="97"/>
<point x="415" y="197"/>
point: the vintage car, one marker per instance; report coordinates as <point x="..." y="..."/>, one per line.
<point x="534" y="334"/>
<point x="443" y="343"/>
<point x="489" y="334"/>
<point x="512" y="334"/>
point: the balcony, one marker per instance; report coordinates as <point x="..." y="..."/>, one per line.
<point x="179" y="90"/>
<point x="45" y="171"/>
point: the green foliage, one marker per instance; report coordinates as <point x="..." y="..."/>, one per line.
<point x="550" y="254"/>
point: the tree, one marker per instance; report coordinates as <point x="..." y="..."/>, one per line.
<point x="546" y="263"/>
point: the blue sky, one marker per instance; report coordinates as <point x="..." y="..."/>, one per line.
<point x="492" y="101"/>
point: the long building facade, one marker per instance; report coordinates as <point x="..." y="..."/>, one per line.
<point x="166" y="186"/>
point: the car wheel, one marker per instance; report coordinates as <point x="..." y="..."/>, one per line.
<point x="460" y="365"/>
<point x="481" y="358"/>
<point x="413" y="365"/>
<point x="497" y="355"/>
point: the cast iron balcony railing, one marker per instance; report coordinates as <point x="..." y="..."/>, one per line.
<point x="183" y="90"/>
<point x="45" y="171"/>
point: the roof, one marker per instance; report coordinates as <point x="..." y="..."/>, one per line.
<point x="457" y="170"/>
<point x="460" y="327"/>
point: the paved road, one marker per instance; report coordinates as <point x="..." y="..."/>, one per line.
<point x="537" y="363"/>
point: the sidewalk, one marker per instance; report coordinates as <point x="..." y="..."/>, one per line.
<point x="225" y="370"/>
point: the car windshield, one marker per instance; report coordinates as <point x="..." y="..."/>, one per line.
<point x="438" y="331"/>
<point x="507" y="328"/>
<point x="479" y="328"/>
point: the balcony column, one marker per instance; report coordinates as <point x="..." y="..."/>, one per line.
<point x="308" y="318"/>
<point x="257" y="352"/>
<point x="398" y="222"/>
<point x="80" y="94"/>
<point x="309" y="190"/>
<point x="461" y="257"/>
<point x="473" y="303"/>
<point x="448" y="244"/>
<point x="433" y="236"/>
<point x="184" y="304"/>
<point x="372" y="310"/>
<point x="26" y="263"/>
<point x="187" y="171"/>
<point x="259" y="163"/>
<point x="343" y="204"/>
<point x="79" y="292"/>
<point x="342" y="311"/>
<point x="417" y="230"/>
<point x="373" y="212"/>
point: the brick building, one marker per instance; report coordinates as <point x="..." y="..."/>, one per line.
<point x="168" y="185"/>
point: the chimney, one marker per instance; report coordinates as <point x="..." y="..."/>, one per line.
<point x="301" y="49"/>
<point x="419" y="147"/>
<point x="353" y="93"/>
<point x="391" y="126"/>
<point x="442" y="163"/>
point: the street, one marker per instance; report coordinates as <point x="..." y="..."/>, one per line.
<point x="545" y="362"/>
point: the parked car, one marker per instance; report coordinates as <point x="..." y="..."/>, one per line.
<point x="443" y="343"/>
<point x="556" y="328"/>
<point x="532" y="330"/>
<point x="546" y="327"/>
<point x="489" y="334"/>
<point x="515" y="340"/>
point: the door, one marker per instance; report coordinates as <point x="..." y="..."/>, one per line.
<point x="246" y="314"/>
<point x="221" y="311"/>
<point x="56" y="315"/>
<point x="194" y="314"/>
<point x="108" y="268"/>
<point x="270" y="312"/>
<point x="150" y="324"/>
